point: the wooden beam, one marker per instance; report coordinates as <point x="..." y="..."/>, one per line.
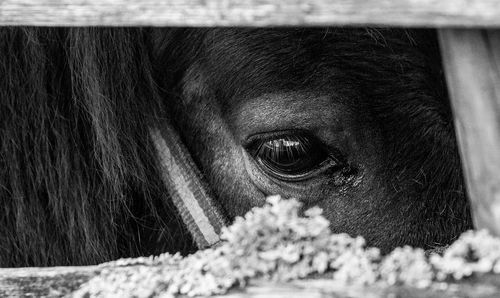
<point x="44" y="282"/>
<point x="250" y="12"/>
<point x="472" y="63"/>
<point x="63" y="281"/>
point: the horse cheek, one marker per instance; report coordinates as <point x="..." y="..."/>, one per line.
<point x="214" y="148"/>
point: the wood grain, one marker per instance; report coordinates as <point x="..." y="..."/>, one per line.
<point x="472" y="63"/>
<point x="250" y="12"/>
<point x="62" y="281"/>
<point x="44" y="282"/>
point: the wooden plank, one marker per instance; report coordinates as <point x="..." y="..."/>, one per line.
<point x="62" y="281"/>
<point x="472" y="63"/>
<point x="250" y="12"/>
<point x="44" y="282"/>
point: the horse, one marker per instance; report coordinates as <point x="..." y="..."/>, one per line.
<point x="354" y="120"/>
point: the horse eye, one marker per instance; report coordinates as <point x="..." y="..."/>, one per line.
<point x="291" y="157"/>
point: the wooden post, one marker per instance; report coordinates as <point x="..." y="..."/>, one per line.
<point x="472" y="64"/>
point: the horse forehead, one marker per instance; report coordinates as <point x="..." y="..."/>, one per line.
<point x="239" y="64"/>
<point x="240" y="45"/>
<point x="252" y="62"/>
<point x="298" y="41"/>
<point x="284" y="57"/>
<point x="281" y="111"/>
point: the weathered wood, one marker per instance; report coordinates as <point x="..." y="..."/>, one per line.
<point x="62" y="281"/>
<point x="43" y="282"/>
<point x="250" y="12"/>
<point x="472" y="63"/>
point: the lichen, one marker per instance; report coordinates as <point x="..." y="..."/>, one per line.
<point x="406" y="265"/>
<point x="275" y="242"/>
<point x="474" y="252"/>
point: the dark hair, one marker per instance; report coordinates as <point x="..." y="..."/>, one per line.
<point x="78" y="177"/>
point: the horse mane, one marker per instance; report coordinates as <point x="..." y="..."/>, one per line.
<point x="79" y="181"/>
